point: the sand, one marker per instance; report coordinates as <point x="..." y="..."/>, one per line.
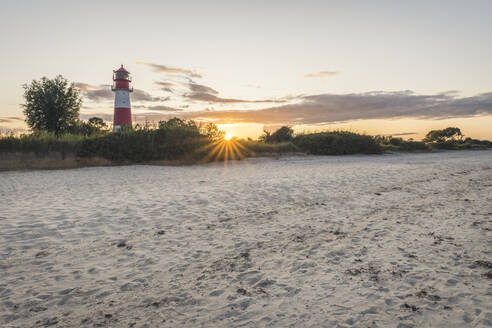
<point x="353" y="241"/>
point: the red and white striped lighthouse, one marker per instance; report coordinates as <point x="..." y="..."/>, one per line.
<point x="122" y="107"/>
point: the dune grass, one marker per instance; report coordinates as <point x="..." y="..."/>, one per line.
<point x="42" y="143"/>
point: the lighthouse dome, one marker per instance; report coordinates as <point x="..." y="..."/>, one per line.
<point x="122" y="69"/>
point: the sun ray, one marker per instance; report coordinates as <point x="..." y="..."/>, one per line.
<point x="215" y="150"/>
<point x="225" y="150"/>
<point x="219" y="152"/>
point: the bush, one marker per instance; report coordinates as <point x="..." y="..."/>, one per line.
<point x="396" y="141"/>
<point x="337" y="143"/>
<point x="413" y="145"/>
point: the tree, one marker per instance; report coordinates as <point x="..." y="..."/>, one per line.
<point x="213" y="132"/>
<point x="97" y="123"/>
<point x="93" y="126"/>
<point x="447" y="134"/>
<point x="177" y="123"/>
<point x="265" y="137"/>
<point x="51" y="104"/>
<point x="284" y="134"/>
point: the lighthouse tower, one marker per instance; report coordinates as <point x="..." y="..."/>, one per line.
<point x="122" y="107"/>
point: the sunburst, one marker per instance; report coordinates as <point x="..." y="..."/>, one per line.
<point x="225" y="149"/>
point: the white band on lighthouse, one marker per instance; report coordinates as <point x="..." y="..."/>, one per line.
<point x="122" y="99"/>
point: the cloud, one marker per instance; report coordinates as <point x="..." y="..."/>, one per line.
<point x="399" y="134"/>
<point x="162" y="69"/>
<point x="140" y="95"/>
<point x="104" y="93"/>
<point x="198" y="88"/>
<point x="321" y="74"/>
<point x="201" y="96"/>
<point x="166" y="86"/>
<point x="10" y="119"/>
<point x="95" y="93"/>
<point x="404" y="134"/>
<point x="319" y="108"/>
<point x="329" y="108"/>
<point x="161" y="108"/>
<point x="200" y="92"/>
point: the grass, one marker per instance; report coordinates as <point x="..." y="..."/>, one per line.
<point x="41" y="143"/>
<point x="261" y="147"/>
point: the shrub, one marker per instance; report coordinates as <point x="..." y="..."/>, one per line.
<point x="337" y="143"/>
<point x="396" y="141"/>
<point x="413" y="145"/>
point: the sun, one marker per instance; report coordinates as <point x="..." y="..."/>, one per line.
<point x="228" y="136"/>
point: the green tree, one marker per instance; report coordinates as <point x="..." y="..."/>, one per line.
<point x="265" y="137"/>
<point x="177" y="123"/>
<point x="94" y="126"/>
<point x="51" y="105"/>
<point x="213" y="132"/>
<point x="447" y="134"/>
<point x="97" y="123"/>
<point x="284" y="134"/>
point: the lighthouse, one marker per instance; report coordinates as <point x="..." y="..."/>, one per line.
<point x="122" y="107"/>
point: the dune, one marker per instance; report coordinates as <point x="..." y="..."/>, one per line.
<point x="353" y="241"/>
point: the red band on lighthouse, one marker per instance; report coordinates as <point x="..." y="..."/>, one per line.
<point x="122" y="106"/>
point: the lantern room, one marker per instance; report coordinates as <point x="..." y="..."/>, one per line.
<point x="121" y="79"/>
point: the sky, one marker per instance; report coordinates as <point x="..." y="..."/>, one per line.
<point x="379" y="67"/>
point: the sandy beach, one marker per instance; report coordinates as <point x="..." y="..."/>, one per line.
<point x="356" y="241"/>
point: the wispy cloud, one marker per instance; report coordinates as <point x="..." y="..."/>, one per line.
<point x="160" y="108"/>
<point x="10" y="119"/>
<point x="404" y="134"/>
<point x="204" y="93"/>
<point x="198" y="88"/>
<point x="104" y="93"/>
<point x="322" y="74"/>
<point x="166" y="86"/>
<point x="162" y="69"/>
<point x="95" y="93"/>
<point x="192" y="90"/>
<point x="140" y="95"/>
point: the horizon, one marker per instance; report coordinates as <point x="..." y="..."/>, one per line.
<point x="388" y="68"/>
